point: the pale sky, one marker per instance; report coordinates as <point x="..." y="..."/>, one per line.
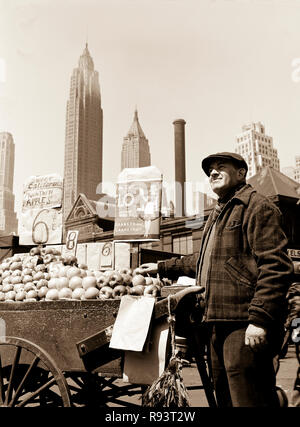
<point x="218" y="64"/>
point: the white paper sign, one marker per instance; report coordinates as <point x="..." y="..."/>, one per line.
<point x="122" y="255"/>
<point x="132" y="323"/>
<point x="41" y="217"/>
<point x="93" y="255"/>
<point x="186" y="281"/>
<point x="40" y="226"/>
<point x="81" y="253"/>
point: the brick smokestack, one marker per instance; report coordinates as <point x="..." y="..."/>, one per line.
<point x="179" y="141"/>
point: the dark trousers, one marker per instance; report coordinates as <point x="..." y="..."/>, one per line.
<point x="242" y="377"/>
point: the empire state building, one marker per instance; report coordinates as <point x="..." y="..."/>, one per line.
<point x="84" y="134"/>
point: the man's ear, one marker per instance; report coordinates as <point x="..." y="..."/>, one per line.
<point x="242" y="173"/>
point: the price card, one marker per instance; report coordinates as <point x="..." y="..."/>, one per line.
<point x="93" y="255"/>
<point x="81" y="253"/>
<point x="106" y="255"/>
<point x="71" y="242"/>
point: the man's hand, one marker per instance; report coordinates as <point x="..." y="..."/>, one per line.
<point x="148" y="268"/>
<point x="255" y="337"/>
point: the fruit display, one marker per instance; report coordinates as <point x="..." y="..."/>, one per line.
<point x="45" y="275"/>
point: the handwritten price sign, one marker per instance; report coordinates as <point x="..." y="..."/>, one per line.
<point x="41" y="218"/>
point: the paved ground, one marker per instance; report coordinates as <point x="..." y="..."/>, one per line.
<point x="285" y="379"/>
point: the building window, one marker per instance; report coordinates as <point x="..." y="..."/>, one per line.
<point x="183" y="244"/>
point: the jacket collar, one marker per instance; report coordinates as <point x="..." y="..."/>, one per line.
<point x="244" y="194"/>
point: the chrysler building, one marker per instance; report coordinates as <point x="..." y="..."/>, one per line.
<point x="135" y="148"/>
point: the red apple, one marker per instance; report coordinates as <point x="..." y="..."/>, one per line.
<point x="106" y="292"/>
<point x="115" y="280"/>
<point x="119" y="291"/>
<point x="151" y="290"/>
<point x="40" y="267"/>
<point x="20" y="295"/>
<point x="102" y="281"/>
<point x="125" y="270"/>
<point x="127" y="279"/>
<point x="48" y="250"/>
<point x="83" y="266"/>
<point x="34" y="251"/>
<point x="138" y="279"/>
<point x="16" y="266"/>
<point x="137" y="290"/>
<point x="48" y="258"/>
<point x="41" y="283"/>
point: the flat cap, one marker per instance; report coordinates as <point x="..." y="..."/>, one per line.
<point x="233" y="157"/>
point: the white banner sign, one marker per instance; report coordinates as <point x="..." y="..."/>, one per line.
<point x="41" y="217"/>
<point x="138" y="209"/>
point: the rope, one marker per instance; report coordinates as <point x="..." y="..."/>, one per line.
<point x="171" y="322"/>
<point x="168" y="390"/>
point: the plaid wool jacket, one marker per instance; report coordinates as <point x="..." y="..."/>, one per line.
<point x="250" y="271"/>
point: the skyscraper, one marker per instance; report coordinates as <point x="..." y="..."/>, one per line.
<point x="135" y="148"/>
<point x="257" y="148"/>
<point x="84" y="134"/>
<point x="297" y="169"/>
<point x="8" y="217"/>
<point x="293" y="172"/>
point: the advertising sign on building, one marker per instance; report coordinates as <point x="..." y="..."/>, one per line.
<point x="41" y="217"/>
<point x="138" y="204"/>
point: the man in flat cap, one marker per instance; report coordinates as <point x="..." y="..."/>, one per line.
<point x="244" y="268"/>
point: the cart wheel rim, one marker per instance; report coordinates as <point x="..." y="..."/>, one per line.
<point x="11" y="392"/>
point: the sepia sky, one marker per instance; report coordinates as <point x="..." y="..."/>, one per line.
<point x="218" y="64"/>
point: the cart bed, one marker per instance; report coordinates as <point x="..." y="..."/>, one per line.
<point x="56" y="327"/>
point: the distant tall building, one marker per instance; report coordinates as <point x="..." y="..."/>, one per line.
<point x="297" y="169"/>
<point x="257" y="148"/>
<point x="8" y="217"/>
<point x="293" y="172"/>
<point x="135" y="148"/>
<point x="201" y="202"/>
<point x="84" y="134"/>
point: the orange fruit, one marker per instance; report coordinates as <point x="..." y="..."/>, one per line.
<point x="89" y="282"/>
<point x="65" y="293"/>
<point x="62" y="282"/>
<point x="52" y="294"/>
<point x="75" y="282"/>
<point x="78" y="293"/>
<point x="73" y="272"/>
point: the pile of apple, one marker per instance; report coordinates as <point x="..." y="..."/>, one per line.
<point x="45" y="275"/>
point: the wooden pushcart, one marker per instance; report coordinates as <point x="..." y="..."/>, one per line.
<point x="56" y="353"/>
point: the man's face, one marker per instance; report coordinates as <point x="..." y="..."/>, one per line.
<point x="224" y="175"/>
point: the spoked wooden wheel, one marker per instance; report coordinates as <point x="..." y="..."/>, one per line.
<point x="89" y="389"/>
<point x="29" y="376"/>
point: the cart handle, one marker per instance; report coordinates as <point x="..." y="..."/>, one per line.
<point x="161" y="307"/>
